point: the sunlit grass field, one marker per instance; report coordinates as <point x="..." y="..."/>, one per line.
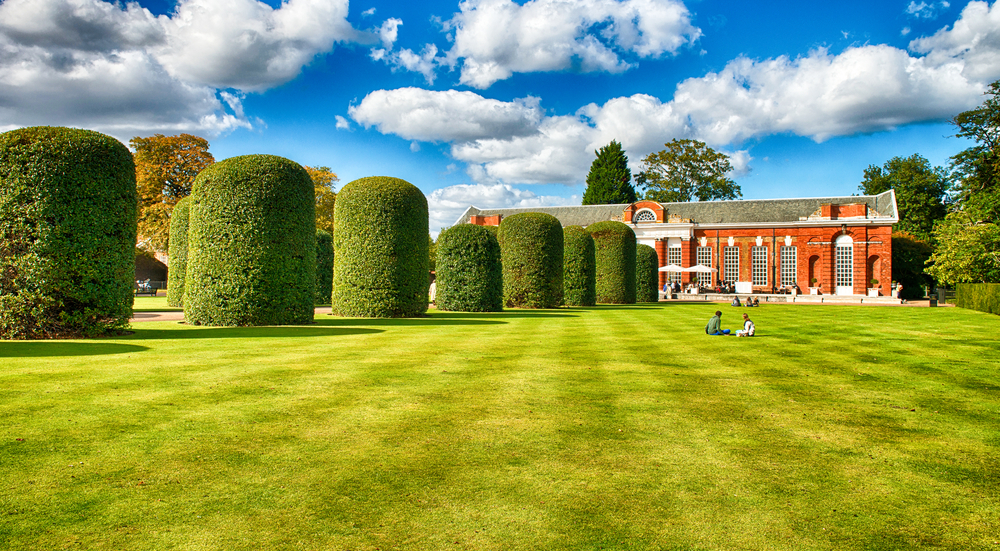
<point x="837" y="427"/>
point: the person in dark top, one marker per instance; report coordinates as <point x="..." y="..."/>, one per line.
<point x="714" y="326"/>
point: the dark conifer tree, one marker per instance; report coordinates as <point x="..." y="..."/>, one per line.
<point x="610" y="180"/>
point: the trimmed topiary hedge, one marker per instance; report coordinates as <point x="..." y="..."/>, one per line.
<point x="381" y="246"/>
<point x="579" y="267"/>
<point x="68" y="208"/>
<point x="469" y="277"/>
<point x="984" y="297"/>
<point x="531" y="249"/>
<point x="251" y="244"/>
<point x="615" y="244"/>
<point x="178" y="251"/>
<point x="324" y="267"/>
<point x="647" y="275"/>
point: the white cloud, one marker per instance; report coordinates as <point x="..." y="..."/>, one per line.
<point x="121" y="70"/>
<point x="493" y="39"/>
<point x="863" y="89"/>
<point x="369" y="12"/>
<point x="417" y="114"/>
<point x="342" y="123"/>
<point x="973" y="41"/>
<point x="389" y="30"/>
<point x="425" y="63"/>
<point x="247" y="44"/>
<point x="926" y="10"/>
<point x="447" y="204"/>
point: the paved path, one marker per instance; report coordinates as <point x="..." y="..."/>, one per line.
<point x="139" y="317"/>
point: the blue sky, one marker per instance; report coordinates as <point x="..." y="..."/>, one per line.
<point x="502" y="103"/>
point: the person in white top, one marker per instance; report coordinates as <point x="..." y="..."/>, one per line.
<point x="748" y="327"/>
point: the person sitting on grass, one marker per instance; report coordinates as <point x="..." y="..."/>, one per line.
<point x="748" y="327"/>
<point x="714" y="325"/>
<point x="736" y="301"/>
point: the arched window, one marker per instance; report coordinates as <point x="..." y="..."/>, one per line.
<point x="644" y="215"/>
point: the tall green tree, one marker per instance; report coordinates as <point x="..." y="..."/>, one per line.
<point x="968" y="239"/>
<point x="920" y="192"/>
<point x="687" y="170"/>
<point x="978" y="167"/>
<point x="610" y="179"/>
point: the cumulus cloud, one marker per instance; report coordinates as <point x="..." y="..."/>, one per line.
<point x="973" y="41"/>
<point x="493" y="39"/>
<point x="342" y="123"/>
<point x="446" y="204"/>
<point x="122" y="70"/>
<point x="819" y="95"/>
<point x="425" y="115"/>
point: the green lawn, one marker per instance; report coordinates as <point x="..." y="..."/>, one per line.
<point x="837" y="427"/>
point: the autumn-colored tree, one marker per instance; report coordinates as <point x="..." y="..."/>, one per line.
<point x="323" y="179"/>
<point x="165" y="166"/>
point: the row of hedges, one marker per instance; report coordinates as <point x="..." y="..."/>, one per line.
<point x="68" y="208"/>
<point x="615" y="248"/>
<point x="531" y="248"/>
<point x="324" y="267"/>
<point x="469" y="277"/>
<point x="251" y="244"/>
<point x="984" y="297"/>
<point x="647" y="266"/>
<point x="579" y="267"/>
<point x="178" y="252"/>
<point x="382" y="250"/>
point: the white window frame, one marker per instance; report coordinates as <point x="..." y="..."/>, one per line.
<point x="844" y="264"/>
<point x="704" y="256"/>
<point x="644" y="216"/>
<point x="789" y="265"/>
<point x="674" y="255"/>
<point x="758" y="265"/>
<point x="731" y="258"/>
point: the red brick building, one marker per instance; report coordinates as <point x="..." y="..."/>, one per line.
<point x="843" y="243"/>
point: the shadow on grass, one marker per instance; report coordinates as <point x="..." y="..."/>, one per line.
<point x="330" y="320"/>
<point x="270" y="332"/>
<point x="639" y="306"/>
<point x="505" y="314"/>
<point x="41" y="349"/>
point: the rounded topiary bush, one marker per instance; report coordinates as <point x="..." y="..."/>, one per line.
<point x="324" y="267"/>
<point x="251" y="244"/>
<point x="615" y="248"/>
<point x="531" y="249"/>
<point x="68" y="207"/>
<point x="469" y="276"/>
<point x="178" y="252"/>
<point x="647" y="275"/>
<point x="579" y="267"/>
<point x="382" y="250"/>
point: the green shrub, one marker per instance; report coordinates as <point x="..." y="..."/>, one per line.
<point x="324" y="267"/>
<point x="381" y="246"/>
<point x="647" y="275"/>
<point x="251" y="244"/>
<point x="579" y="267"/>
<point x="615" y="244"/>
<point x="984" y="297"/>
<point x="531" y="249"/>
<point x="68" y="207"/>
<point x="469" y="276"/>
<point x="178" y="252"/>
